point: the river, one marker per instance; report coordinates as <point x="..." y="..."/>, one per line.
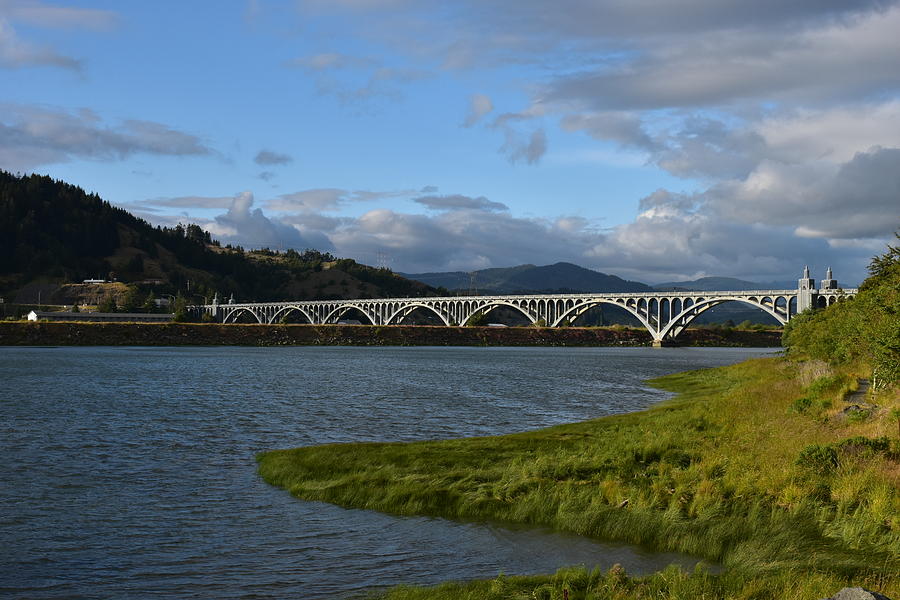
<point x="131" y="471"/>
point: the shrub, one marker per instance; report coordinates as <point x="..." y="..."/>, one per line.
<point x="863" y="446"/>
<point x="819" y="458"/>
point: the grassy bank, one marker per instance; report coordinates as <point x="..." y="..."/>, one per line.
<point x="211" y="334"/>
<point x="753" y="466"/>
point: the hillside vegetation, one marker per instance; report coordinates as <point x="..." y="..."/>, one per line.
<point x="54" y="232"/>
<point x="864" y="333"/>
<point x="759" y="467"/>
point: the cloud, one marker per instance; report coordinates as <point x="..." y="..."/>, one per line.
<point x="516" y="149"/>
<point x="458" y="201"/>
<point x="854" y="200"/>
<point x="16" y="53"/>
<point x="268" y="158"/>
<point x="675" y="236"/>
<point x="479" y="106"/>
<point x="40" y="14"/>
<point x="328" y="199"/>
<point x="31" y="136"/>
<point x="354" y="79"/>
<point x="201" y="202"/>
<point x="243" y="225"/>
<point x="332" y="60"/>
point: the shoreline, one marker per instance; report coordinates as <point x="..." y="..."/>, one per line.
<point x="718" y="472"/>
<point x="19" y="333"/>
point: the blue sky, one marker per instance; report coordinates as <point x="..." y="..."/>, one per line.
<point x="656" y="141"/>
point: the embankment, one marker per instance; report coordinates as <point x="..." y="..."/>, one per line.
<point x="194" y="334"/>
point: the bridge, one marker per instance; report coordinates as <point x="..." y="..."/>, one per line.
<point x="664" y="314"/>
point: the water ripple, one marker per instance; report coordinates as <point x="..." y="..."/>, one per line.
<point x="131" y="471"/>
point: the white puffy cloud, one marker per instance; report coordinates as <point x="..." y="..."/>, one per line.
<point x="248" y="226"/>
<point x="675" y="236"/>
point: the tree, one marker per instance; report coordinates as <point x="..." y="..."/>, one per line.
<point x="180" y="309"/>
<point x="108" y="305"/>
<point x="149" y="304"/>
<point x="130" y="302"/>
<point x="479" y="319"/>
<point x="863" y="329"/>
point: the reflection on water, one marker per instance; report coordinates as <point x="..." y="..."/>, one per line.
<point x="130" y="471"/>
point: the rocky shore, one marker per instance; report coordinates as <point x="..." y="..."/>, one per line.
<point x="194" y="334"/>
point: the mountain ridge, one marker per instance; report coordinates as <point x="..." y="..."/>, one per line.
<point x="569" y="277"/>
<point x="560" y="276"/>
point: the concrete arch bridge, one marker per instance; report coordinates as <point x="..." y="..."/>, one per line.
<point x="664" y="314"/>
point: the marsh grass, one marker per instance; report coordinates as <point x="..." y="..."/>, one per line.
<point x="577" y="583"/>
<point x="723" y="471"/>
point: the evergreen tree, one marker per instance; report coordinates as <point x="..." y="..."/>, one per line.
<point x="108" y="305"/>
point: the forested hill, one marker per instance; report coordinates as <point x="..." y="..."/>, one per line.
<point x="54" y="232"/>
<point x="559" y="277"/>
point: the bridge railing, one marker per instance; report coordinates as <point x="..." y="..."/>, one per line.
<point x="581" y="296"/>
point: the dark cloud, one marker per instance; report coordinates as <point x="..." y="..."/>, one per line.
<point x="458" y="201"/>
<point x="32" y="136"/>
<point x="590" y="20"/>
<point x="268" y="158"/>
<point x="853" y="200"/>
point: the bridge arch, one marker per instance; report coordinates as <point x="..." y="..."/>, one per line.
<point x="340" y="310"/>
<point x="576" y="311"/>
<point x="491" y="305"/>
<point x="406" y="309"/>
<point x="231" y="315"/>
<point x="680" y="322"/>
<point x="287" y="309"/>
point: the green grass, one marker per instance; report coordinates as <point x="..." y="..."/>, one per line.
<point x="718" y="472"/>
<point x="615" y="584"/>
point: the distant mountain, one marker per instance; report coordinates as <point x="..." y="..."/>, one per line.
<point x="561" y="276"/>
<point x="54" y="235"/>
<point x="721" y="284"/>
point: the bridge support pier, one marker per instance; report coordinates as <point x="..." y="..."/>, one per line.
<point x="664" y="343"/>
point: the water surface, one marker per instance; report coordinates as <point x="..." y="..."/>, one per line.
<point x="131" y="472"/>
